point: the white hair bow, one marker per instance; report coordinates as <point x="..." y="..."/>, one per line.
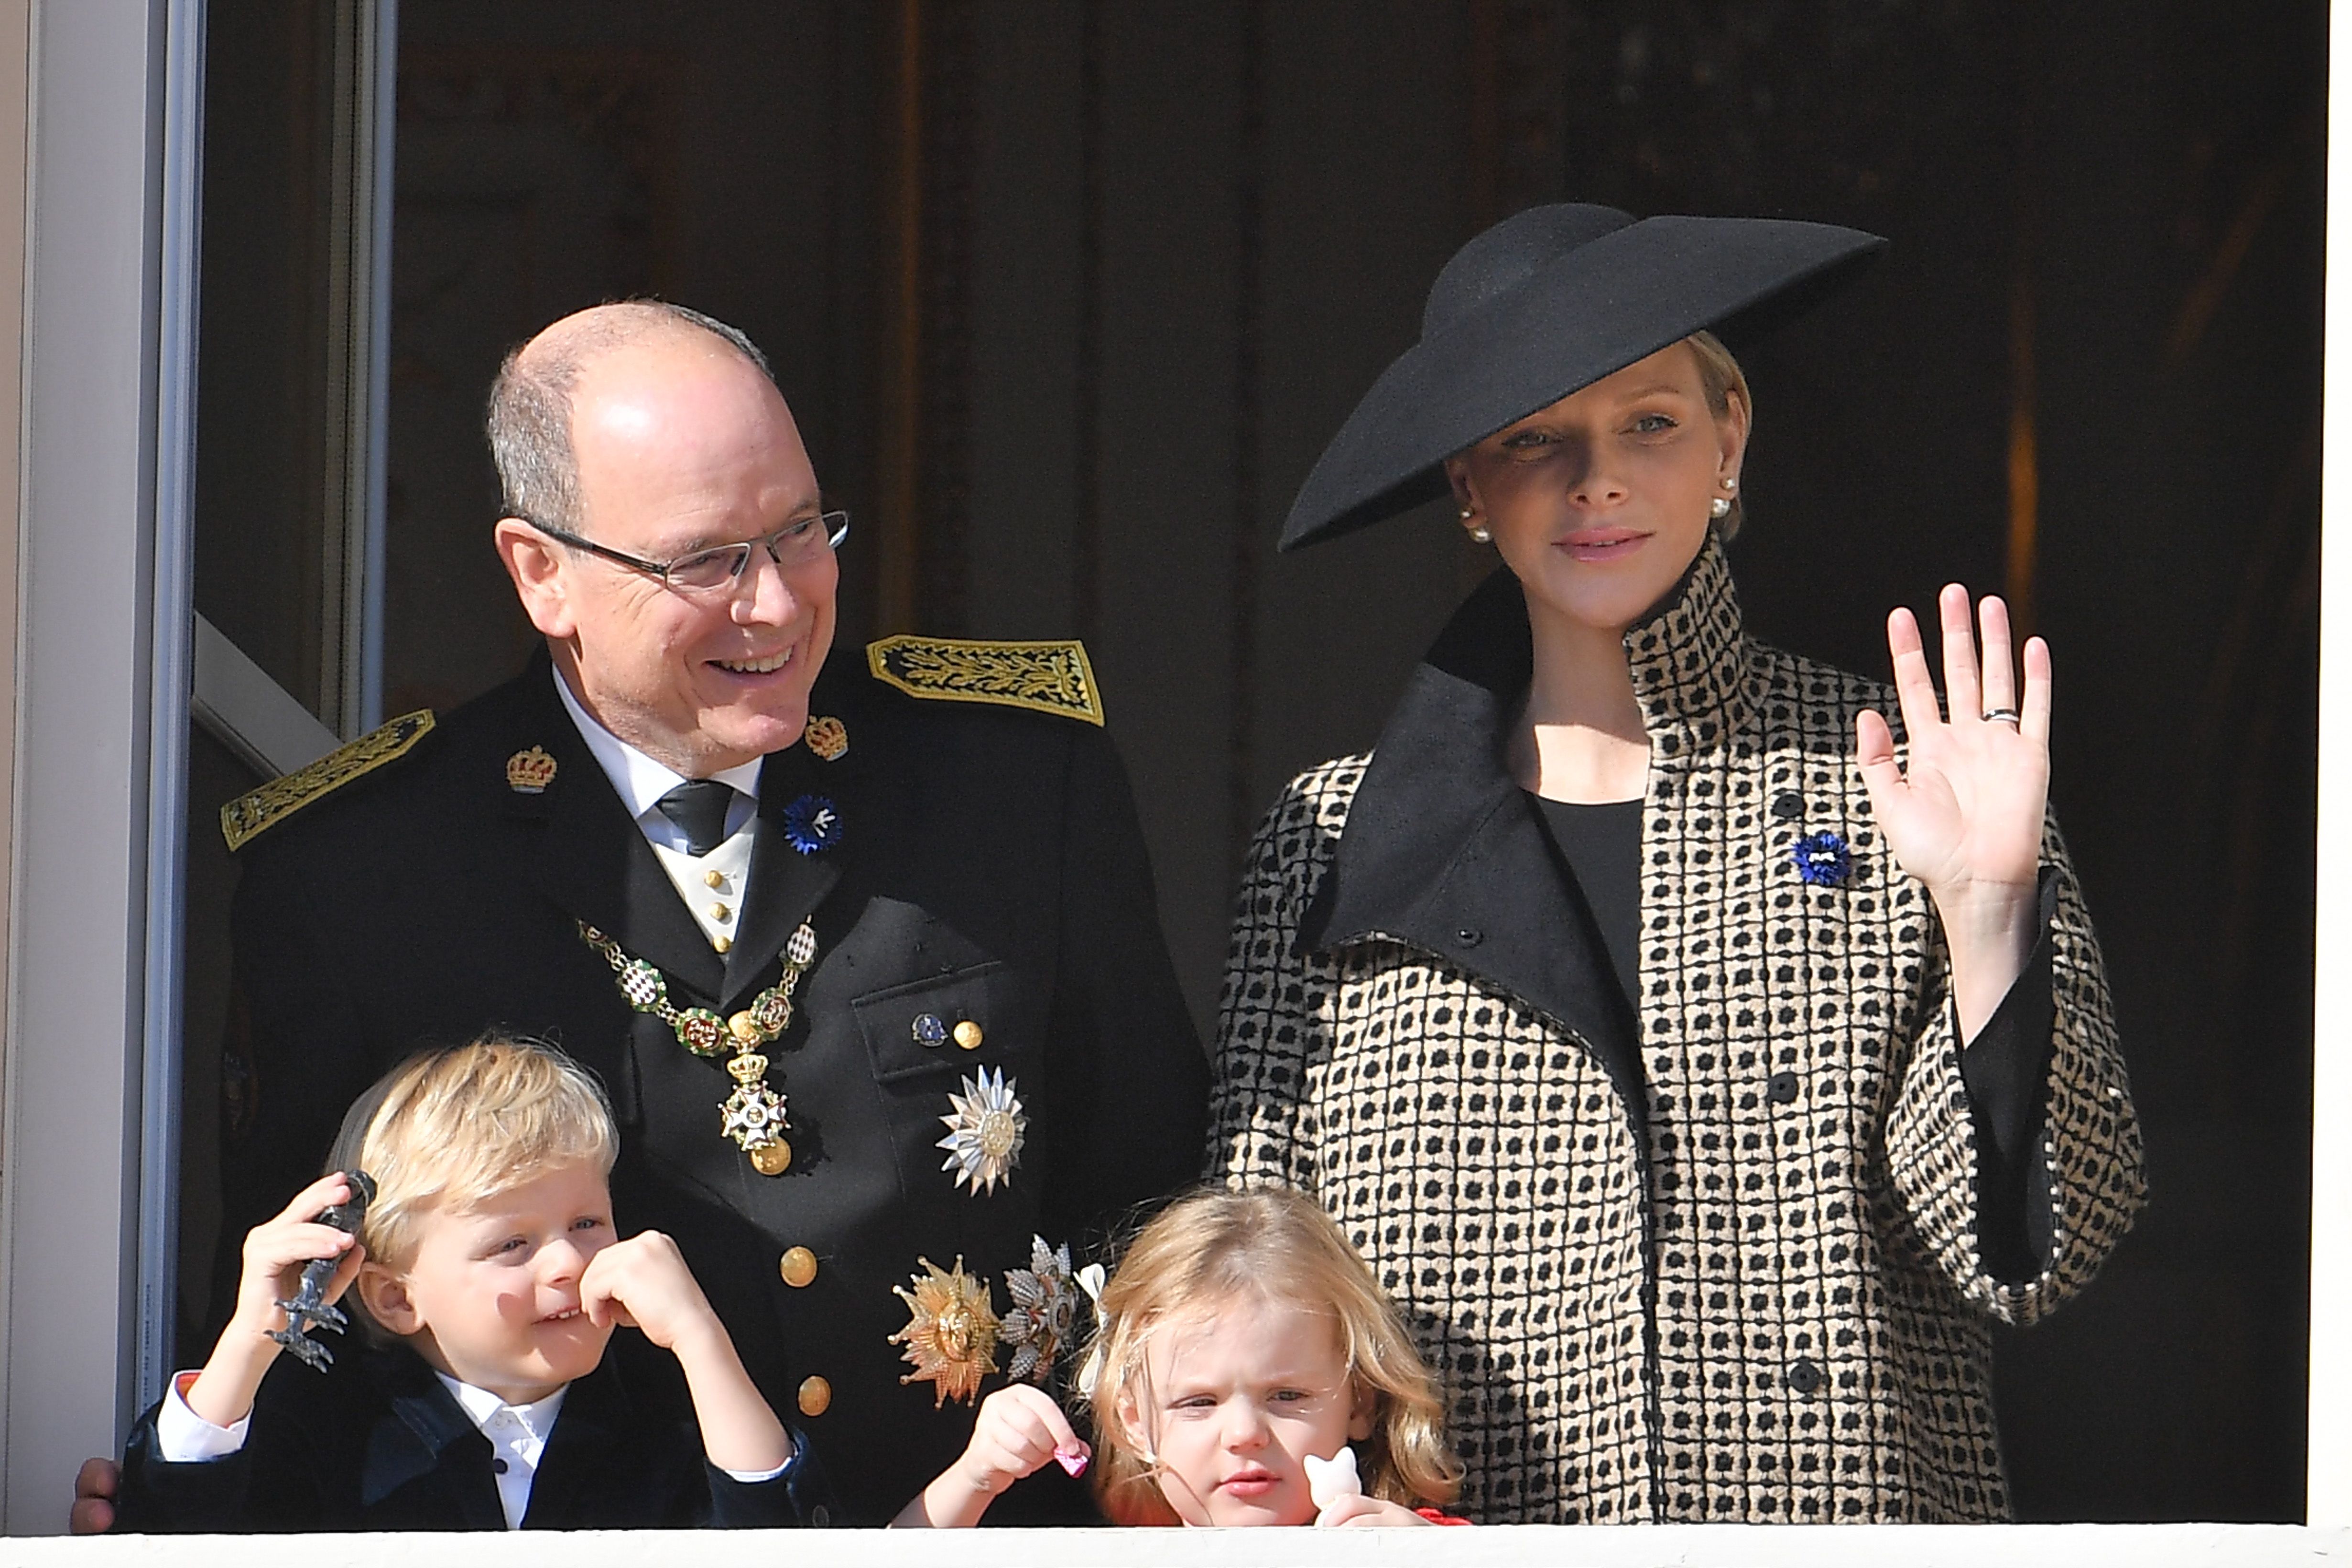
<point x="1091" y="1280"/>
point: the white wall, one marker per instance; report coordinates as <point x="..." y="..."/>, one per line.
<point x="78" y="883"/>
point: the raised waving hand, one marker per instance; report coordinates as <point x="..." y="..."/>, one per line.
<point x="1965" y="816"/>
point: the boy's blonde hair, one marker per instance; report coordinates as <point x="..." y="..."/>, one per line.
<point x="1279" y="1247"/>
<point x="451" y="1127"/>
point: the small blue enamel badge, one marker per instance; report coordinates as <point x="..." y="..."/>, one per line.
<point x="811" y="824"/>
<point x="1823" y="859"/>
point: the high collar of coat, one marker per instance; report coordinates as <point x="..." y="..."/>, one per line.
<point x="1440" y="838"/>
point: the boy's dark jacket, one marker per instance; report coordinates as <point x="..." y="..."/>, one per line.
<point x="382" y="1445"/>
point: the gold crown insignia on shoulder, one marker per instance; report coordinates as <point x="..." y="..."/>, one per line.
<point x="248" y="816"/>
<point x="1045" y="677"/>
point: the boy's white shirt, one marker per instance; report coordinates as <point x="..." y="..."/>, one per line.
<point x="517" y="1434"/>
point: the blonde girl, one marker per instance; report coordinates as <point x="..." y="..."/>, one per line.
<point x="1241" y="1336"/>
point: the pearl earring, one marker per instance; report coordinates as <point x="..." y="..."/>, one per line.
<point x="1719" y="509"/>
<point x="1482" y="536"/>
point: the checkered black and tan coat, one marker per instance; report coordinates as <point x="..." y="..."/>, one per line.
<point x="1676" y="1293"/>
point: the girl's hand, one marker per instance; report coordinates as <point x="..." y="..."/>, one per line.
<point x="643" y="1283"/>
<point x="1965" y="818"/>
<point x="1356" y="1508"/>
<point x="276" y="1252"/>
<point x="1019" y="1429"/>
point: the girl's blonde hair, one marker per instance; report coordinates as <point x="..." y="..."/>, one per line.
<point x="1279" y="1247"/>
<point x="448" y="1127"/>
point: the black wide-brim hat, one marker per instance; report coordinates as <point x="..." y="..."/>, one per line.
<point x="1543" y="304"/>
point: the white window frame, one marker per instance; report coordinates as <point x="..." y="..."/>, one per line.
<point x="106" y="666"/>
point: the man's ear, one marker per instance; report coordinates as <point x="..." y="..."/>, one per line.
<point x="385" y="1296"/>
<point x="1359" y="1417"/>
<point x="535" y="563"/>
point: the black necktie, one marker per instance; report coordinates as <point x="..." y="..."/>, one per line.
<point x="697" y="808"/>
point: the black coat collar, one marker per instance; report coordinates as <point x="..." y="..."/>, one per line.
<point x="426" y="1432"/>
<point x="1443" y="851"/>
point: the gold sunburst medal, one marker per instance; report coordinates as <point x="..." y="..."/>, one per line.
<point x="951" y="1334"/>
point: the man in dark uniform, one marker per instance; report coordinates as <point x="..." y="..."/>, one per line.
<point x="904" y="935"/>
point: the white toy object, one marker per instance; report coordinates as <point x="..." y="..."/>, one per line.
<point x="1329" y="1481"/>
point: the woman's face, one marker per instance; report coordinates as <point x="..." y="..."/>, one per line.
<point x="1234" y="1400"/>
<point x="1600" y="503"/>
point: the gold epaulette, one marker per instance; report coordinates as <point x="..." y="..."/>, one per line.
<point x="1045" y="677"/>
<point x="248" y="816"/>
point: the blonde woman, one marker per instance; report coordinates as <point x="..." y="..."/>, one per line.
<point x="1705" y="1047"/>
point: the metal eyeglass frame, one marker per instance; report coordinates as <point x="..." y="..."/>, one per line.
<point x="836" y="526"/>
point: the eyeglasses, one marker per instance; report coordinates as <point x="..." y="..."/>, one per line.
<point x="797" y="543"/>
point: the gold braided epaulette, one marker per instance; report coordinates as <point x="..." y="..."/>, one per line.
<point x="1045" y="677"/>
<point x="248" y="816"/>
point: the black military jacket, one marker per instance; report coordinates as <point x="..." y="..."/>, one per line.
<point x="989" y="869"/>
<point x="384" y="1447"/>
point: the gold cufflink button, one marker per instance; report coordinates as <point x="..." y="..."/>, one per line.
<point x="721" y="912"/>
<point x="713" y="880"/>
<point x="967" y="1034"/>
<point x="798" y="1267"/>
<point x="816" y="1396"/>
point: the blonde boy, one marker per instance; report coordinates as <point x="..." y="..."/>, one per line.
<point x="487" y="1279"/>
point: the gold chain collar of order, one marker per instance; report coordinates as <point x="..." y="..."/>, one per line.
<point x="754" y="1116"/>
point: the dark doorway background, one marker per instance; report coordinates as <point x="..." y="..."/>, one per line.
<point x="1069" y="293"/>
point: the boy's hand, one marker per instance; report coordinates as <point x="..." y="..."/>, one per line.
<point x="643" y="1283"/>
<point x="277" y="1250"/>
<point x="1356" y="1508"/>
<point x="275" y="1253"/>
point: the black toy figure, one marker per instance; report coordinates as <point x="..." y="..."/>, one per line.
<point x="309" y="1304"/>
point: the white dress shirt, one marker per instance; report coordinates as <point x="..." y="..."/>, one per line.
<point x="517" y="1434"/>
<point x="712" y="885"/>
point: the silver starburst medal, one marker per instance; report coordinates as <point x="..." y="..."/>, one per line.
<point x="1044" y="1310"/>
<point x="985" y="1131"/>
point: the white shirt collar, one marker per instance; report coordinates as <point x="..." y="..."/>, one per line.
<point x="481" y="1406"/>
<point x="639" y="779"/>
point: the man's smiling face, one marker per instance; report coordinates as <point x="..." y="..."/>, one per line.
<point x="681" y="445"/>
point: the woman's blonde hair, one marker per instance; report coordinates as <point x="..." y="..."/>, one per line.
<point x="1720" y="377"/>
<point x="1277" y="1246"/>
<point x="448" y="1127"/>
